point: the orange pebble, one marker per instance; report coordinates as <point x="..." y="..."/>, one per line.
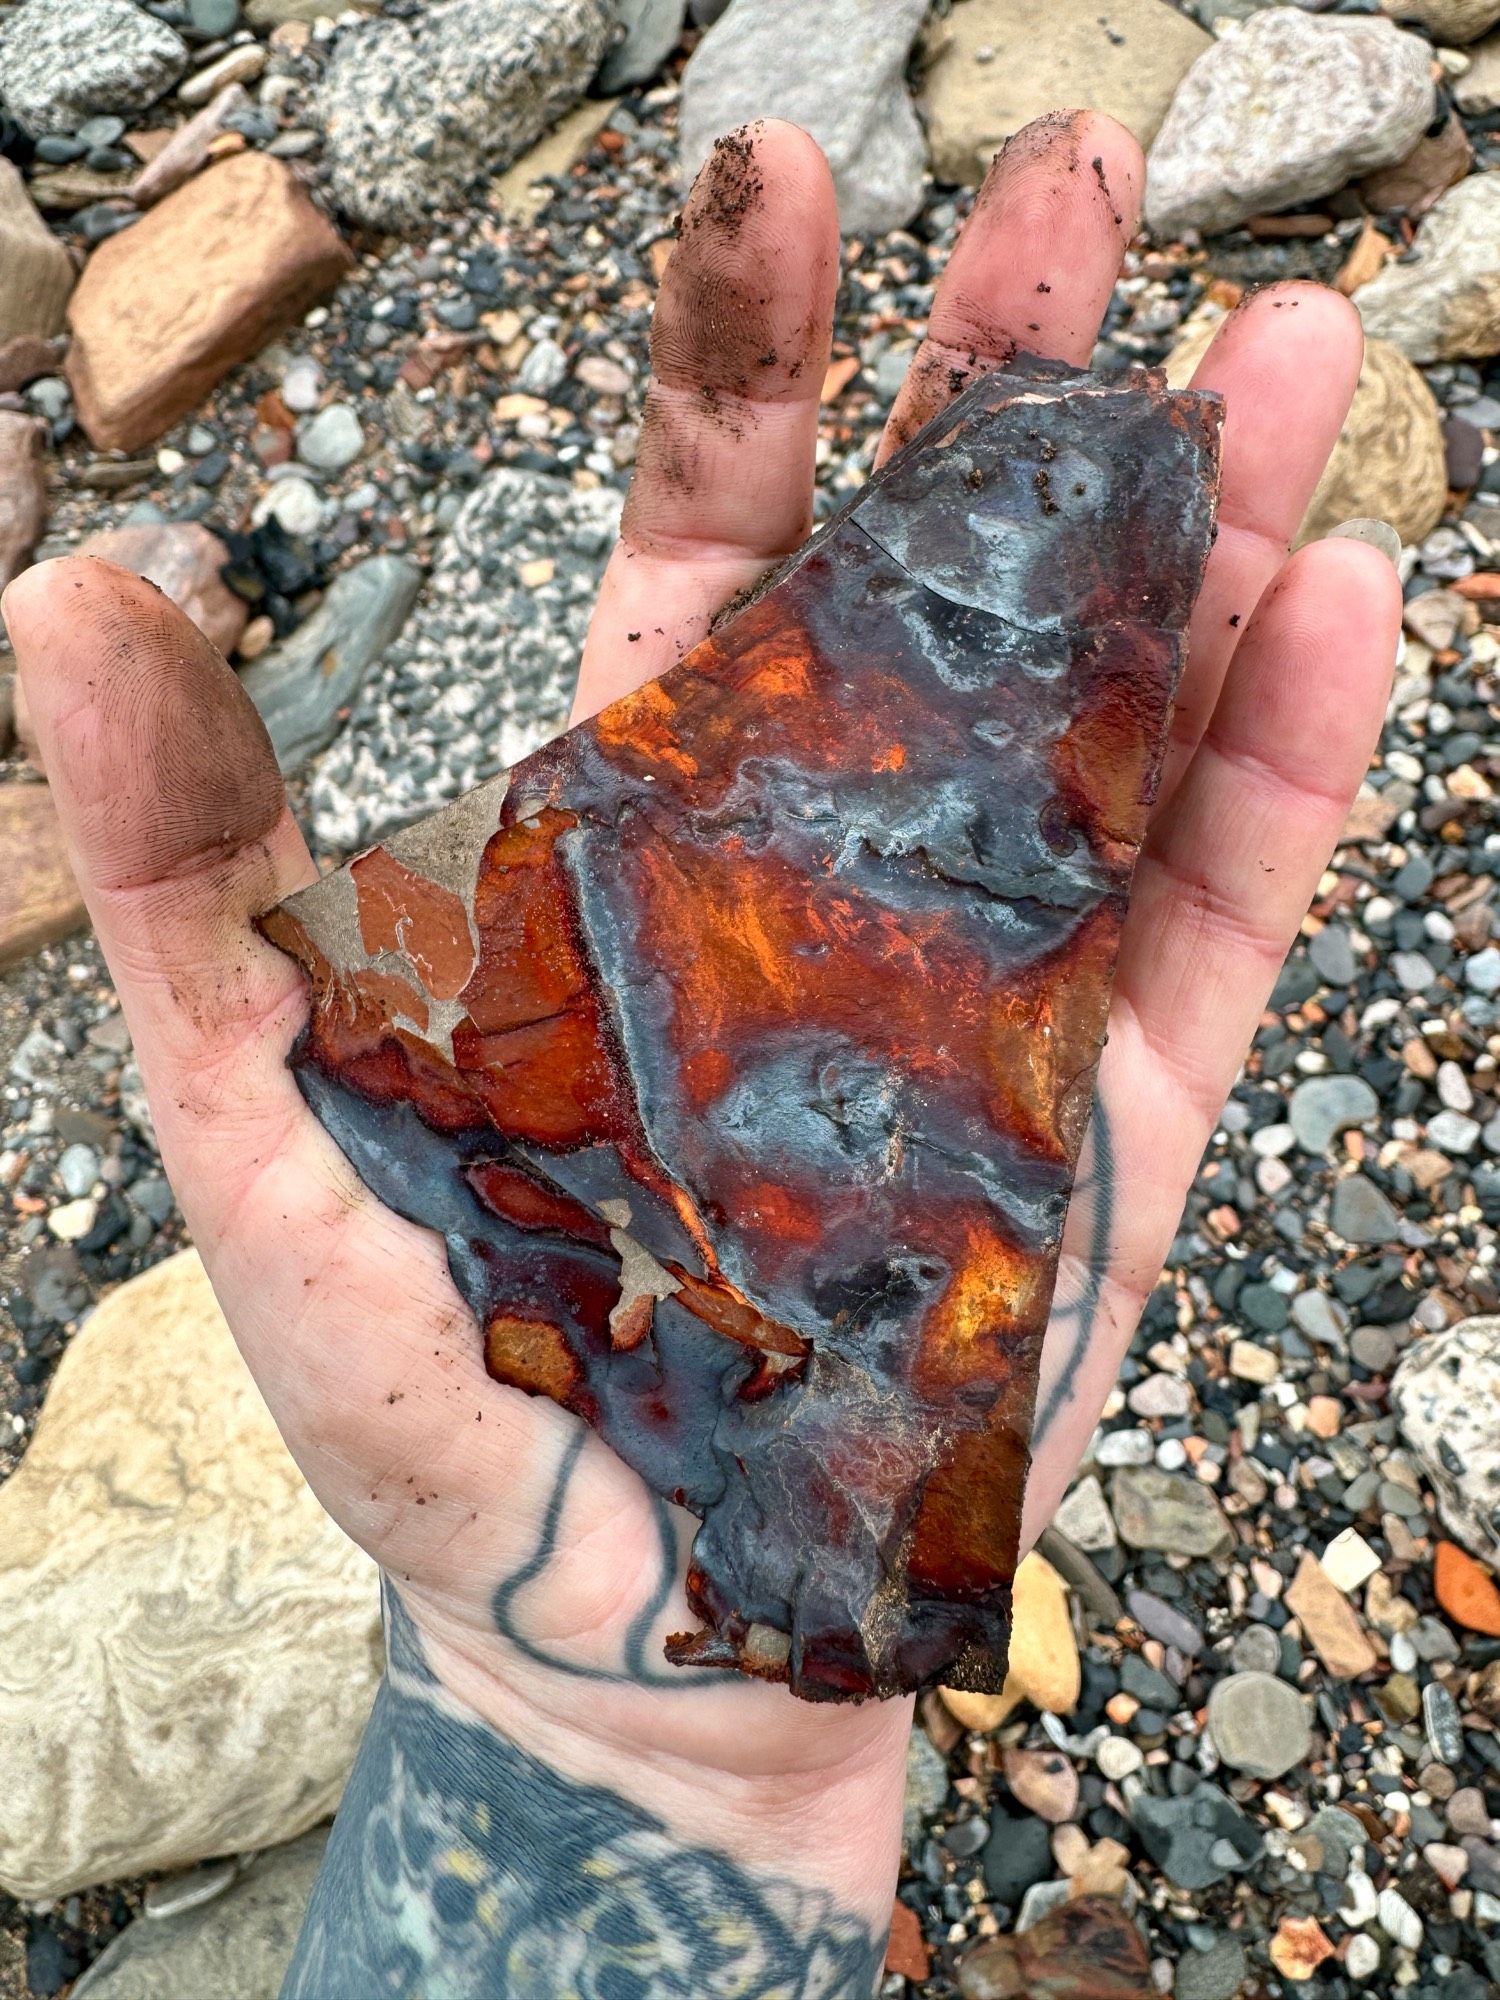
<point x="907" y="1951"/>
<point x="1466" y="1590"/>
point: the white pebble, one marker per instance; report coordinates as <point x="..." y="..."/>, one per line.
<point x="1398" y="1919"/>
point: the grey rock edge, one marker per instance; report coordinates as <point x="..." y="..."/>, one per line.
<point x="838" y="70"/>
<point x="236" y="1947"/>
<point x="301" y="687"/>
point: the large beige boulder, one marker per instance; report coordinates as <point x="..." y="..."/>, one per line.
<point x="994" y="65"/>
<point x="188" y="1646"/>
<point x="1388" y="461"/>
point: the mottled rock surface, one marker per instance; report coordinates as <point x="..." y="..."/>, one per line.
<point x="993" y="65"/>
<point x="1442" y="301"/>
<point x="198" y="284"/>
<point x="36" y="272"/>
<point x="1388" y="462"/>
<point x="846" y="84"/>
<point x="1289" y="106"/>
<point x="1258" y="1724"/>
<point x="414" y="113"/>
<point x="730" y="1181"/>
<point x="236" y="1947"/>
<point x="166" y="1573"/>
<point x="484" y="671"/>
<point x="1446" y="1397"/>
<point x="60" y="60"/>
<point x="302" y="686"/>
<point x="183" y="559"/>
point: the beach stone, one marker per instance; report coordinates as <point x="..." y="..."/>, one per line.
<point x="1388" y="460"/>
<point x="1323" y="1106"/>
<point x="183" y="559"/>
<point x="415" y="113"/>
<point x="484" y="671"/>
<point x="653" y="28"/>
<point x="994" y="65"/>
<point x="1215" y="1974"/>
<point x="1167" y="1511"/>
<point x="41" y="902"/>
<point x="1450" y="23"/>
<point x="1084" y="1517"/>
<point x="301" y="686"/>
<point x="1360" y="1213"/>
<point x="1445" y="1395"/>
<point x="1437" y="161"/>
<point x="1288" y="106"/>
<point x="166" y="1573"/>
<point x="1329" y="1622"/>
<point x="1198" y="1840"/>
<point x="1477" y="91"/>
<point x="1044" y="1782"/>
<point x="332" y="440"/>
<point x="1441" y="302"/>
<point x="1259" y="1724"/>
<point x="36" y="272"/>
<point x="926" y="1785"/>
<point x="62" y="59"/>
<point x="846" y="87"/>
<point x="23" y="490"/>
<point x="199" y="284"/>
<point x="237" y="1947"/>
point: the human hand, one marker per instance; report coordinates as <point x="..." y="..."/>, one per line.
<point x="537" y="1575"/>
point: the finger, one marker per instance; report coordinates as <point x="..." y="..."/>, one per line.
<point x="1221" y="888"/>
<point x="1035" y="263"/>
<point x="740" y="340"/>
<point x="1286" y="363"/>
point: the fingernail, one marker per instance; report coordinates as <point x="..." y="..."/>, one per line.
<point x="1374" y="534"/>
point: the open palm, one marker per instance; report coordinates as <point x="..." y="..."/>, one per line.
<point x="540" y="1572"/>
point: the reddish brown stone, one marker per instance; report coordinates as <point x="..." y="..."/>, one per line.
<point x="743" y="1045"/>
<point x="1087" y="1950"/>
<point x="23" y="490"/>
<point x="26" y="357"/>
<point x="183" y="559"/>
<point x="167" y="307"/>
<point x="906" y="1949"/>
<point x="39" y="900"/>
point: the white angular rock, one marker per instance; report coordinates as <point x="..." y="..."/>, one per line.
<point x="188" y="1645"/>
<point x="1442" y="301"/>
<point x="838" y="70"/>
<point x="60" y="60"/>
<point x="1478" y="89"/>
<point x="1446" y="1397"/>
<point x="1288" y="107"/>
<point x="415" y="113"/>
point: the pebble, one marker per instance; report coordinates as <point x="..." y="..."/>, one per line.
<point x="332" y="440"/>
<point x="78" y="1169"/>
<point x="302" y="386"/>
<point x="1258" y="1724"/>
<point x="1398" y="1919"/>
<point x="1348" y="1561"/>
<point x="73" y="1219"/>
<point x="1256" y="1649"/>
<point x="1085" y="1519"/>
<point x="1362" y="1958"/>
<point x="1162" y="1510"/>
<point x="1324" y="1106"/>
<point x="1117" y="1757"/>
<point x="1360" y="1213"/>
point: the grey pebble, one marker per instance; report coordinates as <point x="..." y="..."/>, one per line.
<point x="1360" y="1213"/>
<point x="332" y="440"/>
<point x="1323" y="1106"/>
<point x="1258" y="1724"/>
<point x="78" y="1169"/>
<point x="1256" y="1650"/>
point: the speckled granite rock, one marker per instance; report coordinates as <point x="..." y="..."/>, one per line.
<point x="188" y="1646"/>
<point x="846" y="86"/>
<point x="237" y="1947"/>
<point x="484" y="671"/>
<point x="1388" y="461"/>
<point x="1442" y="302"/>
<point x="1446" y="1396"/>
<point x="1289" y="106"/>
<point x="60" y="60"/>
<point x="415" y="113"/>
